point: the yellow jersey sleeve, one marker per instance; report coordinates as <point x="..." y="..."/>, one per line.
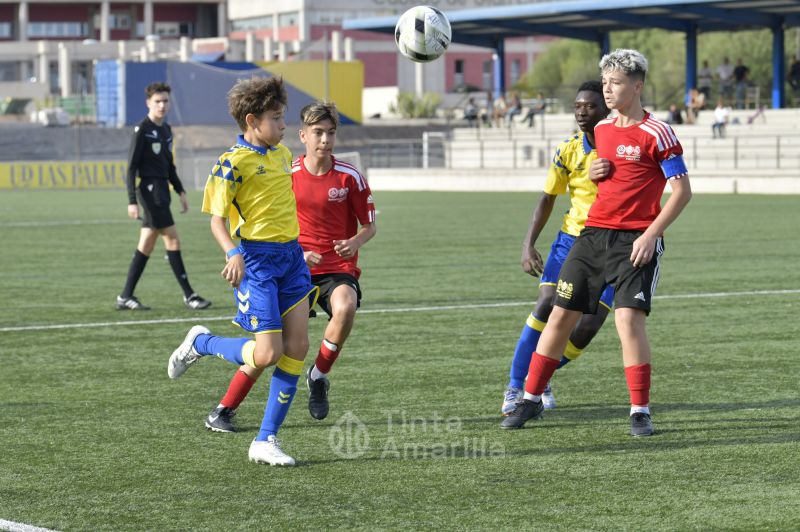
<point x="569" y="172"/>
<point x="221" y="187"/>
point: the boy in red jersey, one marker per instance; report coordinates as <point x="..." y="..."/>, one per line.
<point x="622" y="241"/>
<point x="333" y="199"/>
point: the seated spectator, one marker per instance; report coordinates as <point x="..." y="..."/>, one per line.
<point x="514" y="108"/>
<point x="537" y="108"/>
<point x="721" y="117"/>
<point x="499" y="107"/>
<point x="674" y="115"/>
<point x="471" y="113"/>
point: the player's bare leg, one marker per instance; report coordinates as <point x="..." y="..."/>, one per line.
<point x="631" y="327"/>
<point x="343" y="303"/>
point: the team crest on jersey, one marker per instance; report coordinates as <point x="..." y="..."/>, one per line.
<point x="630" y="153"/>
<point x="564" y="289"/>
<point x="156" y="147"/>
<point x="253" y="322"/>
<point x="337" y="194"/>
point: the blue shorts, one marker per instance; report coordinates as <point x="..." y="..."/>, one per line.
<point x="276" y="280"/>
<point x="558" y="254"/>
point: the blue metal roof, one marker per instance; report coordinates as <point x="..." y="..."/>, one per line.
<point x="592" y="19"/>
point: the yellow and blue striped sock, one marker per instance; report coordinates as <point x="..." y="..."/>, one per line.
<point x="282" y="389"/>
<point x="231" y="349"/>
<point x="526" y="345"/>
<point x="570" y="353"/>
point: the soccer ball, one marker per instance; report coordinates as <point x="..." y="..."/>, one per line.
<point x="422" y="33"/>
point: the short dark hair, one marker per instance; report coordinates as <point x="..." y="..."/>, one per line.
<point x="316" y="112"/>
<point x="592" y="86"/>
<point x="255" y="96"/>
<point x="158" y="86"/>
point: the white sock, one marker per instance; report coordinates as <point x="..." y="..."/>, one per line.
<point x="642" y="409"/>
<point x="531" y="397"/>
<point x="316" y="374"/>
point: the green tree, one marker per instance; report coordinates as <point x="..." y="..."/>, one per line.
<point x="567" y="63"/>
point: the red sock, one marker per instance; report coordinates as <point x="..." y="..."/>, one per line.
<point x="328" y="351"/>
<point x="539" y="373"/>
<point x="237" y="390"/>
<point x="638" y="378"/>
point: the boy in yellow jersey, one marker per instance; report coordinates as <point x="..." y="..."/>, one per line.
<point x="251" y="188"/>
<point x="569" y="170"/>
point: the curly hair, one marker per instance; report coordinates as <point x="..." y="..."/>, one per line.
<point x="255" y="96"/>
<point x="316" y="112"/>
<point x="631" y="62"/>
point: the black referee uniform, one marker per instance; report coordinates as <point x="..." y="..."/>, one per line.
<point x="150" y="158"/>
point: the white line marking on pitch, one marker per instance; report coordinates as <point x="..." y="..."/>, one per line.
<point x="20" y="527"/>
<point x="63" y="222"/>
<point x="372" y="311"/>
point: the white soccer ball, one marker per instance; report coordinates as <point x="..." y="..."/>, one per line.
<point x="422" y="33"/>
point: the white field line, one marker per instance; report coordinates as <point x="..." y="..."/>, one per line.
<point x="200" y="317"/>
<point x="57" y="223"/>
<point x="20" y="527"/>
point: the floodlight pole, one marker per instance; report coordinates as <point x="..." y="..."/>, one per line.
<point x="325" y="67"/>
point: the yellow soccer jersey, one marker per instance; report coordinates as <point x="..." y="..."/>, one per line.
<point x="252" y="187"/>
<point x="570" y="170"/>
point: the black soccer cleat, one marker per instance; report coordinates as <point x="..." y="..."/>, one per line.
<point x="195" y="302"/>
<point x="221" y="419"/>
<point x="130" y="303"/>
<point x="524" y="412"/>
<point x="317" y="396"/>
<point x="641" y="424"/>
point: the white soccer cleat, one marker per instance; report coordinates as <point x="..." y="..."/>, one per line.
<point x="269" y="452"/>
<point x="185" y="355"/>
<point x="548" y="399"/>
<point x="510" y="399"/>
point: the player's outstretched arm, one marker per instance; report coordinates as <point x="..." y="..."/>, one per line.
<point x="644" y="246"/>
<point x="531" y="259"/>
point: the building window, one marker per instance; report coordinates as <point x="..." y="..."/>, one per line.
<point x="58" y="29"/>
<point x="487" y="74"/>
<point x="288" y="19"/>
<point x="458" y="77"/>
<point x="116" y="21"/>
<point x="252" y="23"/>
<point x="516" y="66"/>
<point x="6" y="30"/>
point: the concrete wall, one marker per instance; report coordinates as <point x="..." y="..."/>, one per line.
<point x="504" y="180"/>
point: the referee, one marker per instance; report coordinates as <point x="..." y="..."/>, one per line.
<point x="151" y="159"/>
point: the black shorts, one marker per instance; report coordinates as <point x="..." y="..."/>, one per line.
<point x="154" y="197"/>
<point x="602" y="257"/>
<point x="327" y="283"/>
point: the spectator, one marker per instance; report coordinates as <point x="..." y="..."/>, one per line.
<point x="704" y="76"/>
<point x="537" y="108"/>
<point x="725" y="76"/>
<point x="499" y="108"/>
<point x="471" y="112"/>
<point x="721" y="116"/>
<point x="514" y="108"/>
<point x="794" y="75"/>
<point x="488" y="113"/>
<point x="674" y="115"/>
<point x="740" y="74"/>
<point x="695" y="103"/>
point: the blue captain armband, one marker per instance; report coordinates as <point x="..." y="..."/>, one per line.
<point x="674" y="167"/>
<point x="233" y="252"/>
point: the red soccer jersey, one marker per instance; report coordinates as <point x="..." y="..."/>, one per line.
<point x="330" y="207"/>
<point x="642" y="158"/>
